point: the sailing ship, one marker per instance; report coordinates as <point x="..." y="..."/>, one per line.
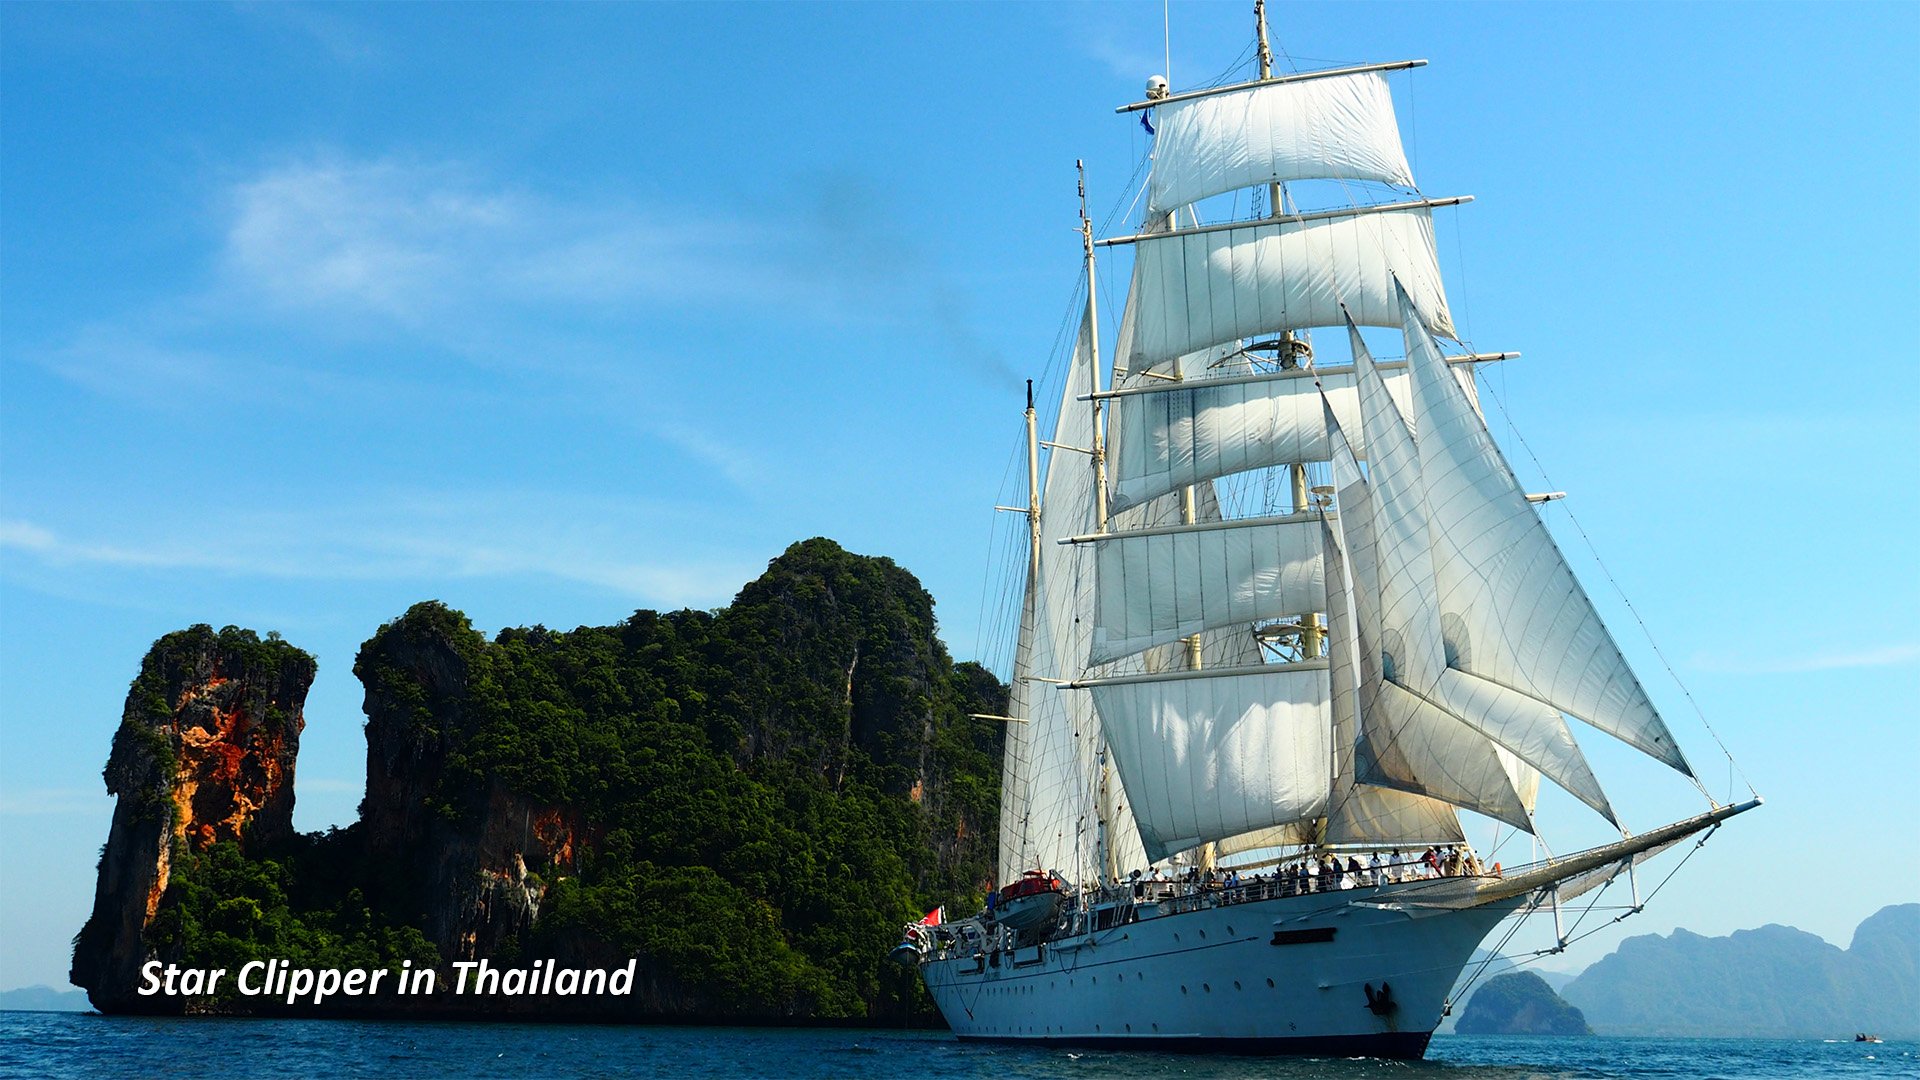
<point x="1239" y="744"/>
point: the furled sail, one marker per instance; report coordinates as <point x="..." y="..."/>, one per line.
<point x="1200" y="289"/>
<point x="1511" y="609"/>
<point x="1339" y="128"/>
<point x="1159" y="585"/>
<point x="1180" y="435"/>
<point x="1217" y="754"/>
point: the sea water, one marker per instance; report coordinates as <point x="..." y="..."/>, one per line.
<point x="86" y="1045"/>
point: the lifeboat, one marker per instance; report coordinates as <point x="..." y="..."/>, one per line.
<point x="1034" y="900"/>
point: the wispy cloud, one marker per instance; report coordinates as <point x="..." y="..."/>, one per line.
<point x="1118" y="47"/>
<point x="339" y="37"/>
<point x="425" y="244"/>
<point x="427" y="536"/>
<point x="1896" y="655"/>
<point x="346" y="281"/>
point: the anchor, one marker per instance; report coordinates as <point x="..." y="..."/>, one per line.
<point x="1381" y="1003"/>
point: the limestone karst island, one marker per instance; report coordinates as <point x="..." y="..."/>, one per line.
<point x="742" y="807"/>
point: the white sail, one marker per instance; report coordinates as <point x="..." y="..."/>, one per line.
<point x="1360" y="813"/>
<point x="1532" y="731"/>
<point x="1049" y="803"/>
<point x="1159" y="585"/>
<point x="1406" y="741"/>
<point x="1409" y="615"/>
<point x="1412" y="630"/>
<point x="1512" y="611"/>
<point x="1175" y="436"/>
<point x="1340" y="128"/>
<point x="1300" y="832"/>
<point x="1221" y="754"/>
<point x="1197" y="290"/>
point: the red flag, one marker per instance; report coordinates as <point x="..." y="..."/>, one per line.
<point x="935" y="917"/>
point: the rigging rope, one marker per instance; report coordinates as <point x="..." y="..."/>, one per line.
<point x="1635" y="612"/>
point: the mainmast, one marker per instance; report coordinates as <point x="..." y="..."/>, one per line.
<point x="1104" y="808"/>
<point x="1292" y="348"/>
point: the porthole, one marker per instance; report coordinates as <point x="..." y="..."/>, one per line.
<point x="1269" y="984"/>
<point x="1236" y="984"/>
<point x="1229" y="930"/>
<point x="1183" y="989"/>
<point x="1208" y="987"/>
<point x="1203" y="933"/>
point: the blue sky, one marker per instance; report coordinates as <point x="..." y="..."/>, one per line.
<point x="552" y="312"/>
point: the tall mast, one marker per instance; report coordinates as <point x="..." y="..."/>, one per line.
<point x="1093" y="367"/>
<point x="1033" y="493"/>
<point x="1290" y="346"/>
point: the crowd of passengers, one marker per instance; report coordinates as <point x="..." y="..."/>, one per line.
<point x="1326" y="873"/>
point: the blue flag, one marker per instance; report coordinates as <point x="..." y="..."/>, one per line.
<point x="1146" y="121"/>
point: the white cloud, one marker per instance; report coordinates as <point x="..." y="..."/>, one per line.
<point x="501" y="535"/>
<point x="434" y="246"/>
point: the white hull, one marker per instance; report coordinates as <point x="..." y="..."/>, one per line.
<point x="1285" y="975"/>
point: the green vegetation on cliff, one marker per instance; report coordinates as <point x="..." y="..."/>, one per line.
<point x="224" y="908"/>
<point x="752" y="800"/>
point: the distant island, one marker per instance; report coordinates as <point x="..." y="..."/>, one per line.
<point x="736" y="810"/>
<point x="1520" y="1003"/>
<point x="43" y="999"/>
<point x="1774" y="981"/>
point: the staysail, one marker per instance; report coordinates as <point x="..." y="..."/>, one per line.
<point x="1512" y="611"/>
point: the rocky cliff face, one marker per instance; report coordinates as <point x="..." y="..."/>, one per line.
<point x="204" y="752"/>
<point x="473" y="886"/>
